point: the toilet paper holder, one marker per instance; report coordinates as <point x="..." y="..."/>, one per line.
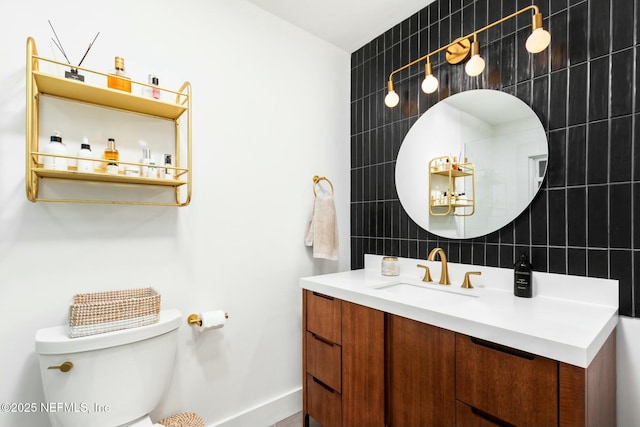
<point x="194" y="319"/>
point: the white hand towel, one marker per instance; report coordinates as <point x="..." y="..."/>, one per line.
<point x="322" y="228"/>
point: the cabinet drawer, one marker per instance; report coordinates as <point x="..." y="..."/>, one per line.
<point x="511" y="385"/>
<point x="324" y="316"/>
<point x="324" y="361"/>
<point x="323" y="404"/>
<point x="466" y="416"/>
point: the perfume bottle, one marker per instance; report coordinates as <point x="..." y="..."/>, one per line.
<point x="153" y="92"/>
<point x="168" y="173"/>
<point x="118" y="78"/>
<point x="111" y="153"/>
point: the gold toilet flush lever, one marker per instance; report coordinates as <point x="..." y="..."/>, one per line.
<point x="427" y="274"/>
<point x="466" y="283"/>
<point x="65" y="367"/>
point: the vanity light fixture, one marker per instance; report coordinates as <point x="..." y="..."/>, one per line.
<point x="460" y="49"/>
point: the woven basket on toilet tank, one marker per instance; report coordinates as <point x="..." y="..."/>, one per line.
<point x="100" y="312"/>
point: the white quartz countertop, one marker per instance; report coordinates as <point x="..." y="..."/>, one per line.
<point x="568" y="319"/>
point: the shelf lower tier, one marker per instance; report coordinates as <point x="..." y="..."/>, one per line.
<point x="453" y="205"/>
<point x="103" y="177"/>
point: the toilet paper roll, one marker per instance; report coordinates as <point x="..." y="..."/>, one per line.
<point x="212" y="319"/>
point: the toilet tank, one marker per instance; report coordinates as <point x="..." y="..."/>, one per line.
<point x="117" y="377"/>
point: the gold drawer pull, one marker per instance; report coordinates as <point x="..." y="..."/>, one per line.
<point x="65" y="367"/>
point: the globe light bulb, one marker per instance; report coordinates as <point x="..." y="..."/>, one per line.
<point x="538" y="40"/>
<point x="392" y="99"/>
<point x="429" y="84"/>
<point x="476" y="64"/>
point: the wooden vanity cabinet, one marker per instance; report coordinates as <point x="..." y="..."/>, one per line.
<point x="343" y="362"/>
<point x="364" y="367"/>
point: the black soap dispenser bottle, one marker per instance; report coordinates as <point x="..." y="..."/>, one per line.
<point x="522" y="277"/>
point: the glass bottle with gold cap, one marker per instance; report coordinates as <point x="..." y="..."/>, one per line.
<point x="118" y="78"/>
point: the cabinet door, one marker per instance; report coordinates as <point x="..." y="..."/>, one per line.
<point x="420" y="374"/>
<point x="516" y="387"/>
<point x="362" y="366"/>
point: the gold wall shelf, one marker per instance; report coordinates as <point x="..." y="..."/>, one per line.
<point x="445" y="172"/>
<point x="40" y="83"/>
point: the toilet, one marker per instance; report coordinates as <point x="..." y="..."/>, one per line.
<point x="114" y="379"/>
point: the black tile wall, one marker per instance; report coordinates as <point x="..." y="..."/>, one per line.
<point x="586" y="91"/>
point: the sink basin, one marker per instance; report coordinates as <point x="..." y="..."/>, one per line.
<point x="430" y="291"/>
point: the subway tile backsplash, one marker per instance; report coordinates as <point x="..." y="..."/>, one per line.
<point x="584" y="88"/>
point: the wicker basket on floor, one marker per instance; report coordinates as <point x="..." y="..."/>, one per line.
<point x="183" y="419"/>
<point x="100" y="312"/>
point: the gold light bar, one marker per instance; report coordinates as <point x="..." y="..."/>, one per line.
<point x="458" y="50"/>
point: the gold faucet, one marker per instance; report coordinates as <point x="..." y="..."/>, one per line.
<point x="444" y="272"/>
<point x="427" y="274"/>
<point x="467" y="280"/>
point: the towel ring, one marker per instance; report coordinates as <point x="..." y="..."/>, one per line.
<point x="317" y="179"/>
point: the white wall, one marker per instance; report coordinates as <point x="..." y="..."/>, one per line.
<point x="271" y="109"/>
<point x="628" y="348"/>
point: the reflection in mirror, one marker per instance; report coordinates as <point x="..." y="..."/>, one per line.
<point x="496" y="133"/>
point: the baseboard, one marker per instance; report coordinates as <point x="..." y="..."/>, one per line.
<point x="268" y="413"/>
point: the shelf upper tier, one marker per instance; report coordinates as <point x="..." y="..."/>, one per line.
<point x="106" y="97"/>
<point x="454" y="173"/>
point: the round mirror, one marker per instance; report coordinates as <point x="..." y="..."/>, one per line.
<point x="471" y="164"/>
